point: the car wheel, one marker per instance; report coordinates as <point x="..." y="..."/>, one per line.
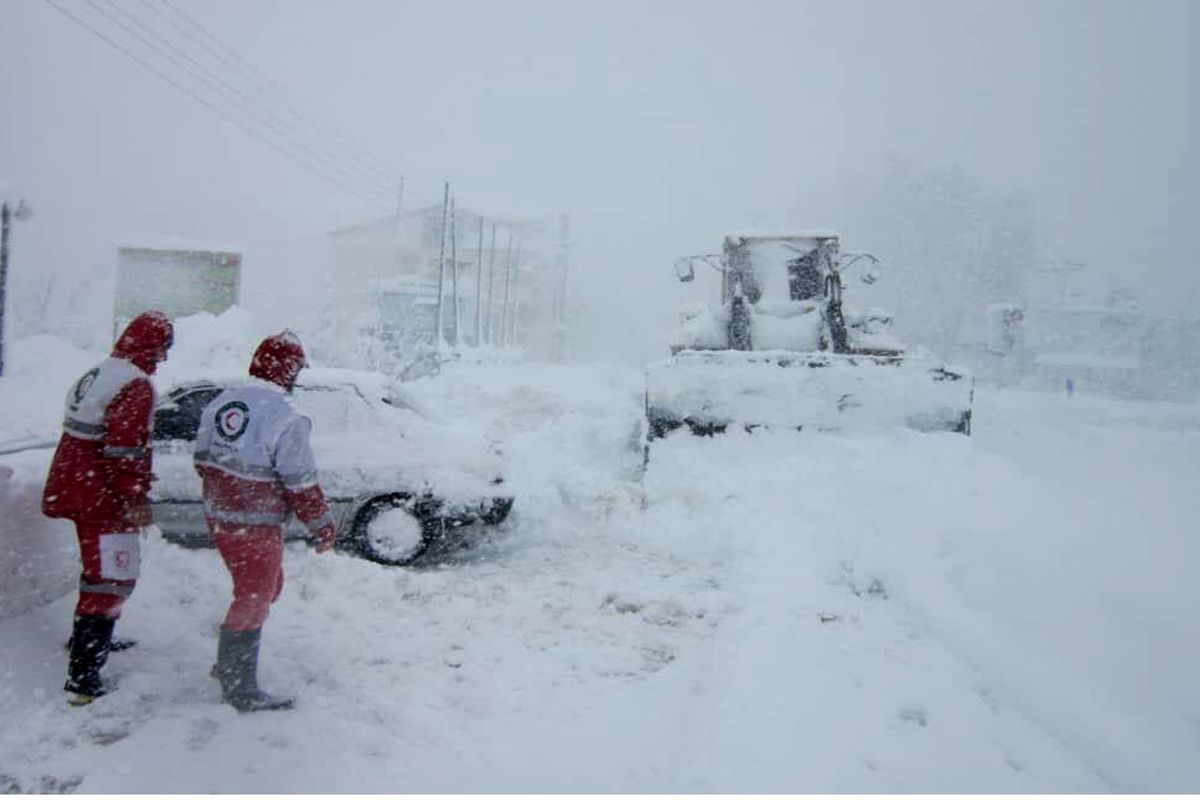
<point x="388" y="530"/>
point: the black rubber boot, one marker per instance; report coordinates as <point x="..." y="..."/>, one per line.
<point x="237" y="670"/>
<point x="115" y="646"/>
<point x="91" y="641"/>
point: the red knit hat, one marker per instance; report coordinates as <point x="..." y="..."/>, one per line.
<point x="279" y="359"/>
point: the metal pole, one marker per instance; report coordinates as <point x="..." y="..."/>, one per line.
<point x="400" y="200"/>
<point x="479" y="288"/>
<point x="438" y="339"/>
<point x="507" y="290"/>
<point x="491" y="281"/>
<point x="561" y="315"/>
<point x="4" y="222"/>
<point x="454" y="275"/>
<point x="512" y="338"/>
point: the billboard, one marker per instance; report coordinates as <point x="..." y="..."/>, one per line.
<point x="175" y="279"/>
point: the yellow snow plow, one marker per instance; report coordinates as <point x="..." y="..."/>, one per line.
<point x="780" y="350"/>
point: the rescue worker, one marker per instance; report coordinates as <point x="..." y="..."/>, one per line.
<point x="99" y="479"/>
<point x="256" y="464"/>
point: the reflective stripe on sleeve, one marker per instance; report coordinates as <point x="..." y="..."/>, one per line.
<point x="302" y="481"/>
<point x="120" y="590"/>
<point x="242" y="517"/>
<point x="123" y="452"/>
<point x="83" y="430"/>
<point x="320" y="522"/>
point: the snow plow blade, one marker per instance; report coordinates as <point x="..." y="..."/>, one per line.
<point x="709" y="390"/>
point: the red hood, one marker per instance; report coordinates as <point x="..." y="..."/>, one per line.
<point x="145" y="340"/>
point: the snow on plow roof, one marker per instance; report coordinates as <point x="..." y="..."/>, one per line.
<point x="782" y="234"/>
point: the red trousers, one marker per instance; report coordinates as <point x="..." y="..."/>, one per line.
<point x="254" y="556"/>
<point x="110" y="556"/>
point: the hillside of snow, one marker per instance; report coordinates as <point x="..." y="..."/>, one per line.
<point x="768" y="612"/>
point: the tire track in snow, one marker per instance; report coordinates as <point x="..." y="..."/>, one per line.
<point x="803" y="705"/>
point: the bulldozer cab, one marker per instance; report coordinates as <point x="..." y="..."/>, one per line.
<point x="801" y="266"/>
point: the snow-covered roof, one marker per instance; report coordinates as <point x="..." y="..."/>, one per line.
<point x="520" y="223"/>
<point x="175" y="243"/>
<point x="1086" y="308"/>
<point x="1095" y="360"/>
<point x="386" y="222"/>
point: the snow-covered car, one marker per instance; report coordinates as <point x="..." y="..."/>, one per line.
<point x="400" y="483"/>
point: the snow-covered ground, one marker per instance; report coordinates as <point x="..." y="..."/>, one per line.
<point x="895" y="612"/>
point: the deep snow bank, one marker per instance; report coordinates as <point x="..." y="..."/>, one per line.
<point x="880" y="612"/>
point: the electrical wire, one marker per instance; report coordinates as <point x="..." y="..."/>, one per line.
<point x="268" y="116"/>
<point x="226" y="54"/>
<point x="341" y="182"/>
<point x="363" y="178"/>
<point x="215" y="84"/>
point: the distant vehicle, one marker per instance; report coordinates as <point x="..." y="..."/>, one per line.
<point x="781" y="350"/>
<point x="401" y="485"/>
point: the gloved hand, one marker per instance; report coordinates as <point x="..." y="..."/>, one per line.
<point x="324" y="537"/>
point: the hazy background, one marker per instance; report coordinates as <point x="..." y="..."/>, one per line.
<point x="656" y="125"/>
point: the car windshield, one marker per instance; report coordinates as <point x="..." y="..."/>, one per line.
<point x="333" y="407"/>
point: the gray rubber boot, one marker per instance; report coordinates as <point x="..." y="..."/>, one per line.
<point x="237" y="670"/>
<point x="91" y="640"/>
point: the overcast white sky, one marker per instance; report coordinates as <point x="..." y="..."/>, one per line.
<point x="656" y="125"/>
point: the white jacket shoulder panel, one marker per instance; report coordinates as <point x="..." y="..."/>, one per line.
<point x="254" y="432"/>
<point x="88" y="399"/>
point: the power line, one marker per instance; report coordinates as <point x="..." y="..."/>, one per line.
<point x="215" y="83"/>
<point x="360" y="179"/>
<point x="206" y="103"/>
<point x="271" y="119"/>
<point x="264" y="82"/>
<point x="293" y="120"/>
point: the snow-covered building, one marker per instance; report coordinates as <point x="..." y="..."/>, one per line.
<point x="503" y="284"/>
<point x="1097" y="346"/>
<point x="176" y="276"/>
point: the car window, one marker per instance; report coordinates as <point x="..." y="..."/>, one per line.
<point x="178" y="416"/>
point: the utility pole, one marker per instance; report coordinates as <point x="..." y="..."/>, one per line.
<point x="560" y="321"/>
<point x="438" y="338"/>
<point x="491" y="281"/>
<point x="400" y="200"/>
<point x="21" y="212"/>
<point x="479" y="288"/>
<point x="516" y="289"/>
<point x="454" y="276"/>
<point x="507" y="291"/>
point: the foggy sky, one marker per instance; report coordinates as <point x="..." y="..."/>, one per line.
<point x="656" y="125"/>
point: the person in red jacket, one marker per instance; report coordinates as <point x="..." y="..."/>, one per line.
<point x="99" y="479"/>
<point x="254" y="458"/>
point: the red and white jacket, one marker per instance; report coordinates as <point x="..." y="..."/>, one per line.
<point x="254" y="457"/>
<point x="101" y="470"/>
